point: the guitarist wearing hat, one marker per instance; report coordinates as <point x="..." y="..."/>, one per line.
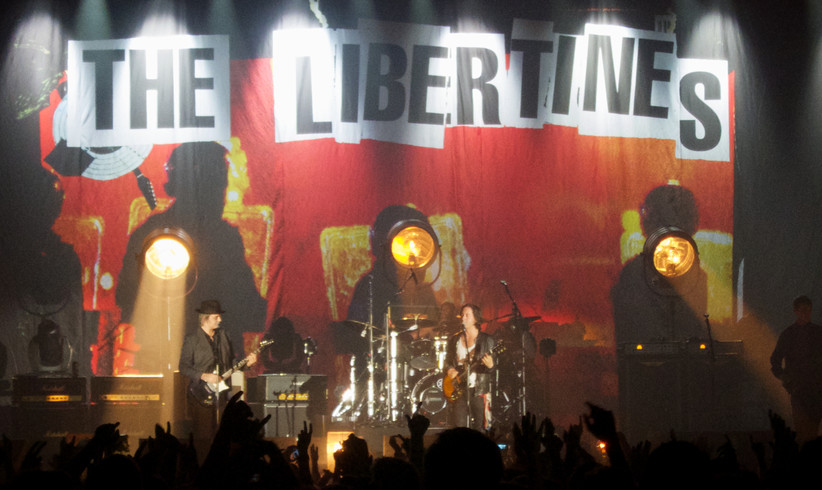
<point x="469" y="362"/>
<point x="205" y="354"/>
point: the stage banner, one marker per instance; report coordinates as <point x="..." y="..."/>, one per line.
<point x="542" y="162"/>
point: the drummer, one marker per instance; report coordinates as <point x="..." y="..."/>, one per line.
<point x="449" y="321"/>
<point x="423" y="326"/>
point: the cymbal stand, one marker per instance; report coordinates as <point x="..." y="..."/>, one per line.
<point x="392" y="396"/>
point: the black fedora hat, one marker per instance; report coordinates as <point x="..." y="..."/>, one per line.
<point x="210" y="307"/>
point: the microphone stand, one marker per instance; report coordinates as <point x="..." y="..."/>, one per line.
<point x="292" y="414"/>
<point x="219" y="346"/>
<point x="468" y="360"/>
<point x="518" y="325"/>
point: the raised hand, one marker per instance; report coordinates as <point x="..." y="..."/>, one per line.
<point x="33" y="459"/>
<point x="68" y="449"/>
<point x="600" y="423"/>
<point x="314" y="453"/>
<point x="417" y="424"/>
<point x="527" y="439"/>
<point x="304" y="438"/>
<point x="399" y="444"/>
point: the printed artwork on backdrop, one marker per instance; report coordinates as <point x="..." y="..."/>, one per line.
<point x="545" y="162"/>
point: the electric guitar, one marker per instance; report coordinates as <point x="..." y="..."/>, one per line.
<point x="454" y="388"/>
<point x="206" y="393"/>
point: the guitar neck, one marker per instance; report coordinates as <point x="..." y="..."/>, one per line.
<point x="241" y="364"/>
<point x="478" y="362"/>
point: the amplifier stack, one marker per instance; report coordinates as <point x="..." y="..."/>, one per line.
<point x="49" y="406"/>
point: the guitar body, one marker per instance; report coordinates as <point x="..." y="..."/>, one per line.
<point x="202" y="393"/>
<point x="451" y="388"/>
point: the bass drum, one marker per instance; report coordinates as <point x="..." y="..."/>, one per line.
<point x="428" y="392"/>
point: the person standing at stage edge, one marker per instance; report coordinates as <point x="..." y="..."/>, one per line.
<point x="205" y="353"/>
<point x="472" y="348"/>
<point x="797" y="362"/>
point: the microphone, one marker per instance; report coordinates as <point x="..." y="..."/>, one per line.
<point x="504" y="283"/>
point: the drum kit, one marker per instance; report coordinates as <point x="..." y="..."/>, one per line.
<point x="404" y="367"/>
<point x="404" y="375"/>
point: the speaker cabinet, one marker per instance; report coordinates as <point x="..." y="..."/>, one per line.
<point x="290" y="399"/>
<point x="134" y="401"/>
<point x="287" y="419"/>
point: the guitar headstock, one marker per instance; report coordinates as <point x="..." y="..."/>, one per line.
<point x="265" y="343"/>
<point x="499" y="348"/>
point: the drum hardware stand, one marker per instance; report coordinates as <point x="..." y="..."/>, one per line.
<point x="371" y="401"/>
<point x="393" y="395"/>
<point x="349" y="401"/>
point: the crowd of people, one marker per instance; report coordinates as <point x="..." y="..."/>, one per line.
<point x="539" y="456"/>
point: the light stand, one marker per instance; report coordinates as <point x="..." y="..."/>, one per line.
<point x="167" y="254"/>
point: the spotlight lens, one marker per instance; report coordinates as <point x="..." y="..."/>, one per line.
<point x="167" y="258"/>
<point x="413" y="247"/>
<point x="674" y="256"/>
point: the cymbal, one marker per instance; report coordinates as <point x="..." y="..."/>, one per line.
<point x="525" y="319"/>
<point x="449" y="327"/>
<point x="410" y="322"/>
<point x="364" y="324"/>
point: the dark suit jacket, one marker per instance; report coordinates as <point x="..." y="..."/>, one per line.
<point x="197" y="356"/>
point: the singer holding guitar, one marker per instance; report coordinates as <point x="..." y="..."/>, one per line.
<point x="469" y="362"/>
<point x="206" y="353"/>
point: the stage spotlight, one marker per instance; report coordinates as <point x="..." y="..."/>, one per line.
<point x="167" y="252"/>
<point x="672" y="252"/>
<point x="414" y="244"/>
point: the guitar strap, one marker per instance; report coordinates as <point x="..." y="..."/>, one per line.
<point x="215" y="351"/>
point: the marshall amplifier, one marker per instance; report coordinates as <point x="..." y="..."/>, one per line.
<point x="48" y="406"/>
<point x="48" y="390"/>
<point x="134" y="401"/>
<point x="127" y="389"/>
<point x="290" y="399"/>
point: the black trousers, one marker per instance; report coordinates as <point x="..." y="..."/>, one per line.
<point x="205" y="421"/>
<point x="472" y="405"/>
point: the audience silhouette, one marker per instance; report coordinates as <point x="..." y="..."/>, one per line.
<point x="538" y="457"/>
